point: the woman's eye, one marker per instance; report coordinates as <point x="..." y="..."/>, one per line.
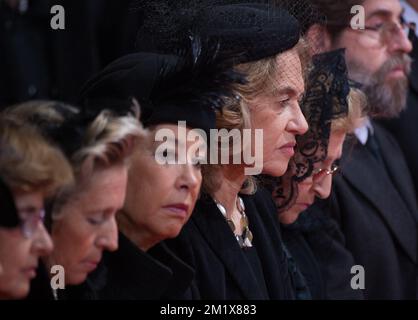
<point x="165" y="156"/>
<point x="282" y="104"/>
<point x="285" y="102"/>
<point x="95" y="220"/>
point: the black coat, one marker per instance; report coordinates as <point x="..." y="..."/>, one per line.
<point x="405" y="128"/>
<point x="40" y="286"/>
<point x="132" y="274"/>
<point x="222" y="269"/>
<point x="317" y="246"/>
<point x="376" y="209"/>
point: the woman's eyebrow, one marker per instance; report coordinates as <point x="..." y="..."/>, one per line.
<point x="287" y="90"/>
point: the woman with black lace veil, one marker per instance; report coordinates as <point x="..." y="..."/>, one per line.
<point x="333" y="110"/>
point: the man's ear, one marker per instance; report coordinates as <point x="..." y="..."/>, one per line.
<point x="319" y="39"/>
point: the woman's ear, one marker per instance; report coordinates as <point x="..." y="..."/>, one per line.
<point x="319" y="39"/>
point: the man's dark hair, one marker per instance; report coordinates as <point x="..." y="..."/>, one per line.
<point x="337" y="13"/>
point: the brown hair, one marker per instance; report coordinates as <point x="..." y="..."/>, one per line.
<point x="236" y="115"/>
<point x="357" y="104"/>
<point x="337" y="14"/>
<point x="108" y="140"/>
<point x="27" y="161"/>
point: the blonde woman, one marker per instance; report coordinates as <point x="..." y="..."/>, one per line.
<point x="233" y="243"/>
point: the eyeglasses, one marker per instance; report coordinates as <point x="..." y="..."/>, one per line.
<point x="387" y="30"/>
<point x="382" y="32"/>
<point x="331" y="171"/>
<point x="30" y="222"/>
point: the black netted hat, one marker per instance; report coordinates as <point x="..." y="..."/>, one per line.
<point x="251" y="31"/>
<point x="8" y="212"/>
<point x="256" y="31"/>
<point x="131" y="76"/>
<point x="167" y="23"/>
<point x="168" y="88"/>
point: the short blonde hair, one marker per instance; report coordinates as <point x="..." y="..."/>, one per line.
<point x="235" y="114"/>
<point x="357" y="104"/>
<point x="27" y="161"/>
<point x="108" y="140"/>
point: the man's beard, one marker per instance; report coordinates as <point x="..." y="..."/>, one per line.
<point x="386" y="98"/>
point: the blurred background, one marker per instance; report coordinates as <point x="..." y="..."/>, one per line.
<point x="37" y="62"/>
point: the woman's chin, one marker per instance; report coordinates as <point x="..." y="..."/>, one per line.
<point x="288" y="217"/>
<point x="275" y="170"/>
<point x="76" y="279"/>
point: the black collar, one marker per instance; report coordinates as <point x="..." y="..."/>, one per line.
<point x="130" y="273"/>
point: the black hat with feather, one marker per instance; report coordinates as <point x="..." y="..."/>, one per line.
<point x="168" y="88"/>
<point x="255" y="30"/>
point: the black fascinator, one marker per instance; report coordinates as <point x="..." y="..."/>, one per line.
<point x="188" y="87"/>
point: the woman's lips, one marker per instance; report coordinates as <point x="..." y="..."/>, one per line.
<point x="179" y="210"/>
<point x="30" y="272"/>
<point x="304" y="205"/>
<point x="288" y="149"/>
<point x="90" y="265"/>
